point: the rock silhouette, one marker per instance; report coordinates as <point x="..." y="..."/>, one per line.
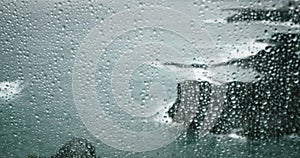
<point x="264" y="109"/>
<point x="290" y="12"/>
<point x="76" y="148"/>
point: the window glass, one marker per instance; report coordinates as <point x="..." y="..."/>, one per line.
<point x="208" y="78"/>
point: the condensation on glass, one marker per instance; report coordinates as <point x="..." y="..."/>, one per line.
<point x="216" y="78"/>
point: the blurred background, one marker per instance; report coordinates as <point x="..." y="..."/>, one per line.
<point x="39" y="41"/>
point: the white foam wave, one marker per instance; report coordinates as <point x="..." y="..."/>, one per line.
<point x="162" y="116"/>
<point x="240" y="50"/>
<point x="10" y="89"/>
<point x="229" y="73"/>
<point x="285" y="24"/>
<point x="233" y="135"/>
<point x="218" y="74"/>
<point x="292" y="137"/>
<point x="215" y="21"/>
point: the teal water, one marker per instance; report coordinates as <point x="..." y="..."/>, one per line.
<point x="39" y="41"/>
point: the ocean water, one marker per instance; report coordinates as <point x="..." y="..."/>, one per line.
<point x="40" y="41"/>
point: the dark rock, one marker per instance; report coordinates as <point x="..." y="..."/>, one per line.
<point x="184" y="90"/>
<point x="76" y="148"/>
<point x="265" y="109"/>
<point x="194" y="65"/>
<point x="290" y="40"/>
<point x="187" y="104"/>
<point x="287" y="13"/>
<point x="203" y="66"/>
<point x="234" y="112"/>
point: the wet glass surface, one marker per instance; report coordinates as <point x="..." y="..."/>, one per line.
<point x="149" y="78"/>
